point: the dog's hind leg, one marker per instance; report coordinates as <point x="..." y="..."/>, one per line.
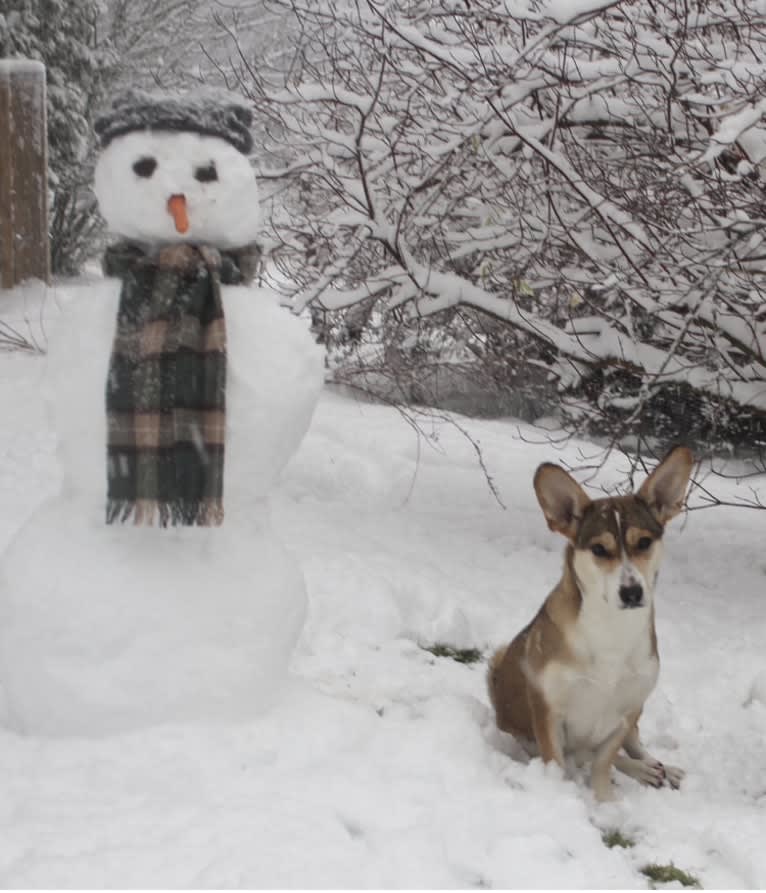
<point x="642" y="766"/>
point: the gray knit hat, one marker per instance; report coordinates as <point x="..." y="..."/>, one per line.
<point x="207" y="112"/>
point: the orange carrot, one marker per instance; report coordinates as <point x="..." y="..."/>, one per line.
<point x="177" y="208"/>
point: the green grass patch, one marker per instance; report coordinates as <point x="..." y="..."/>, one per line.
<point x="666" y="874"/>
<point x="615" y="838"/>
<point x="461" y="655"/>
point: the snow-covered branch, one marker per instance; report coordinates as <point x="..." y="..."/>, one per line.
<point x="584" y="176"/>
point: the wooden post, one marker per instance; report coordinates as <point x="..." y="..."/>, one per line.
<point x="24" y="249"/>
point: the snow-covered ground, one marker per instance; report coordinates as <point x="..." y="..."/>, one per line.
<point x="380" y="766"/>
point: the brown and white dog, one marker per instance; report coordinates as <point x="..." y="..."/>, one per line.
<point x="575" y="680"/>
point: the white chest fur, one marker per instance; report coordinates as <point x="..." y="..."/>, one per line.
<point x="613" y="673"/>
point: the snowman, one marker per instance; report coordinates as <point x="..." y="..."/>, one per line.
<point x="152" y="587"/>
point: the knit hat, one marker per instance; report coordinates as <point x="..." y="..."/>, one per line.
<point x="207" y="112"/>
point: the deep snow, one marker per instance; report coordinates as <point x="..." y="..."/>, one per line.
<point x="380" y="767"/>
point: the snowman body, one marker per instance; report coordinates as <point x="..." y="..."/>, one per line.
<point x="112" y="627"/>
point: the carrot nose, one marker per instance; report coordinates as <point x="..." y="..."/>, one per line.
<point x="177" y="209"/>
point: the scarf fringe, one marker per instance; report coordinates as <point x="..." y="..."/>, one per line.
<point x="149" y="512"/>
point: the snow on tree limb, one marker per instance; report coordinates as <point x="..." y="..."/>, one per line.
<point x="544" y="165"/>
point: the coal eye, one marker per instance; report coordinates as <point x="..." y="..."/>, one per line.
<point x="206" y="174"/>
<point x="599" y="551"/>
<point x="643" y="544"/>
<point x="145" y="167"/>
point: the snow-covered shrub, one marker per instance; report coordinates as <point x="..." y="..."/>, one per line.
<point x="586" y="175"/>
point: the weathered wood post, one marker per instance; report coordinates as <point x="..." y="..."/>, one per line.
<point x="24" y="249"/>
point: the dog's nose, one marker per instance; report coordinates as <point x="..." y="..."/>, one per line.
<point x="631" y="596"/>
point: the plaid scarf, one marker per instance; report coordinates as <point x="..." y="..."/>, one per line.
<point x="166" y="388"/>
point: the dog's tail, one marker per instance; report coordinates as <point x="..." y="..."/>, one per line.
<point x="494" y="665"/>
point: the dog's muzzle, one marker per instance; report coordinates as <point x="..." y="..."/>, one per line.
<point x="632" y="596"/>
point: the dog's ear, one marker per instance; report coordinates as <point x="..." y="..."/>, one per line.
<point x="665" y="488"/>
<point x="561" y="498"/>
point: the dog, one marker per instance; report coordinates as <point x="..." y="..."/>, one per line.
<point x="574" y="681"/>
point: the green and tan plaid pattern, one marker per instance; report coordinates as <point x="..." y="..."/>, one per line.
<point x="166" y="388"/>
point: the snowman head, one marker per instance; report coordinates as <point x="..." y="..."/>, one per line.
<point x="176" y="170"/>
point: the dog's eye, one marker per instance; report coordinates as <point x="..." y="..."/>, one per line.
<point x="599" y="551"/>
<point x="644" y="543"/>
<point x="145" y="167"/>
<point x="206" y="174"/>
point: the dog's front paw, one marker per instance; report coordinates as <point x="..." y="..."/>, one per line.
<point x="604" y="791"/>
<point x="658" y="774"/>
<point x="650" y="772"/>
<point x="674" y="776"/>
